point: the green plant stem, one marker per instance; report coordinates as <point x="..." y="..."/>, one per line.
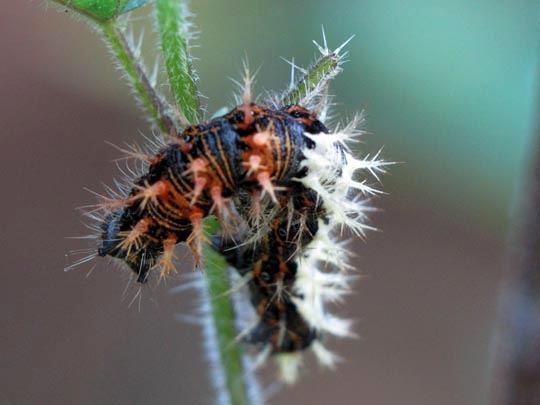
<point x="318" y="76"/>
<point x="222" y="312"/>
<point x="136" y="76"/>
<point x="182" y="77"/>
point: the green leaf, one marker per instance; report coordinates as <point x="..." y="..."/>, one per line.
<point x="221" y="308"/>
<point x="102" y="10"/>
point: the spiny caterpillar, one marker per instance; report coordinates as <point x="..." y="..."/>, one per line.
<point x="283" y="186"/>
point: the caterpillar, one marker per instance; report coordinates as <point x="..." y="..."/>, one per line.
<point x="281" y="184"/>
<point x="284" y="187"/>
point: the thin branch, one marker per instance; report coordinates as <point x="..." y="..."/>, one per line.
<point x="315" y="79"/>
<point x="517" y="371"/>
<point x="223" y="316"/>
<point x="158" y="110"/>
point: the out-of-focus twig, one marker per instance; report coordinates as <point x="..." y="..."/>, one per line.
<point x="517" y="363"/>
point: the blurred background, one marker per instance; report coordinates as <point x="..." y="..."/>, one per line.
<point x="448" y="91"/>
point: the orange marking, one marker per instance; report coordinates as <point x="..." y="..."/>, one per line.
<point x="197" y="165"/>
<point x="248" y="118"/>
<point x="133" y="237"/>
<point x="267" y="186"/>
<point x="200" y="183"/>
<point x="283" y="269"/>
<point x="195" y="240"/>
<point x="218" y="200"/>
<point x="254" y="164"/>
<point x="262" y="139"/>
<point x="166" y="261"/>
<point x="150" y="193"/>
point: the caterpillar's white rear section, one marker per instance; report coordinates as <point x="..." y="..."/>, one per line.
<point x="342" y="182"/>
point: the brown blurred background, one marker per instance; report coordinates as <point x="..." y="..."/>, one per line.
<point x="447" y="88"/>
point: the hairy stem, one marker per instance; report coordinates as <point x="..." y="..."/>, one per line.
<point x="182" y="77"/>
<point x="151" y="100"/>
<point x="222" y="312"/>
<point x="315" y="78"/>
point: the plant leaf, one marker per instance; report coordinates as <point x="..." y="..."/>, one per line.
<point x="102" y="10"/>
